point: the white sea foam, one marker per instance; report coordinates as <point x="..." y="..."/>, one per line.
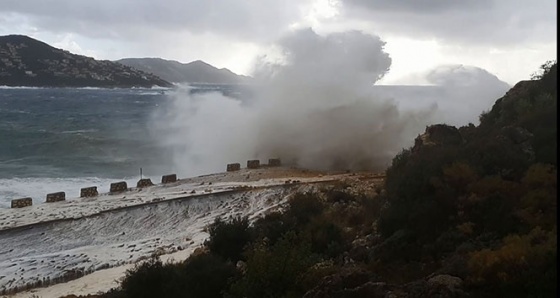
<point x="38" y="188"/>
<point x="95" y="239"/>
<point x="20" y="87"/>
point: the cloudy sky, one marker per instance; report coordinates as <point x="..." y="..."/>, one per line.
<point x="509" y="38"/>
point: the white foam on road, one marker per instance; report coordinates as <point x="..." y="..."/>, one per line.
<point x="48" y="241"/>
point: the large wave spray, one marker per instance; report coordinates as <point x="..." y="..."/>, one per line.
<point x="315" y="109"/>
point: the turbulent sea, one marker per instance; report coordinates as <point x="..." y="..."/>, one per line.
<point x="64" y="139"/>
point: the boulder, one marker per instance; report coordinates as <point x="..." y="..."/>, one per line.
<point x="439" y="134"/>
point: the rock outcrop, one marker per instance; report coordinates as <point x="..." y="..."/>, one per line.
<point x="439" y="134"/>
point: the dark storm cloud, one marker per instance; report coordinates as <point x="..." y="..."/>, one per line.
<point x="419" y="6"/>
<point x="242" y="19"/>
<point x="474" y="21"/>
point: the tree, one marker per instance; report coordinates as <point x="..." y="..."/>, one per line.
<point x="544" y="69"/>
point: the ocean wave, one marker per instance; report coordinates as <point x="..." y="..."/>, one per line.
<point x="151" y="93"/>
<point x="20" y="87"/>
<point x="79" y="131"/>
<point x="38" y="188"/>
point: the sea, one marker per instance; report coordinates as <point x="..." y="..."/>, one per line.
<point x="63" y="139"/>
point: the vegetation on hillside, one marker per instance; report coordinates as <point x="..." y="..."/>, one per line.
<point x="465" y="212"/>
<point x="25" y="61"/>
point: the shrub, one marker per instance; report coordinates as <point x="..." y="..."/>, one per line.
<point x="303" y="207"/>
<point x="151" y="278"/>
<point x="275" y="271"/>
<point x="325" y="236"/>
<point x="227" y="239"/>
<point x="206" y="276"/>
<point x="524" y="266"/>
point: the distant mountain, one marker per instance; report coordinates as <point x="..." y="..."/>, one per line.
<point x="25" y="61"/>
<point x="177" y="72"/>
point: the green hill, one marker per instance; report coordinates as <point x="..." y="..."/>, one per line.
<point x="25" y="61"/>
<point x="193" y="72"/>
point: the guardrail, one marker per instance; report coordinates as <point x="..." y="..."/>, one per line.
<point x="121" y="186"/>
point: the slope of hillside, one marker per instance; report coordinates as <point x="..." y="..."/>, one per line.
<point x="193" y="72"/>
<point x="25" y="61"/>
<point x="48" y="244"/>
<point x="465" y="212"/>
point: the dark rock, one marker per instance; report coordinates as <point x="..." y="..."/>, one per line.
<point x="444" y="286"/>
<point x="349" y="282"/>
<point x="517" y="135"/>
<point x="439" y="134"/>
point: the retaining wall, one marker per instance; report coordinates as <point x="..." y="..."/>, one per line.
<point x="20" y="203"/>
<point x="144" y="183"/>
<point x="56" y="197"/>
<point x="118" y="187"/>
<point x="88" y="192"/>
<point x="274" y="162"/>
<point x="233" y="167"/>
<point x="122" y="186"/>
<point x="253" y="164"/>
<point x="168" y="178"/>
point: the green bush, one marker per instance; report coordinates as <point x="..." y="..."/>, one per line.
<point x="524" y="266"/>
<point x="228" y="239"/>
<point x="151" y="278"/>
<point x="275" y="271"/>
<point x="206" y="276"/>
<point x="302" y="207"/>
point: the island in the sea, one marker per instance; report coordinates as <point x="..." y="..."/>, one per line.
<point x="25" y="61"/>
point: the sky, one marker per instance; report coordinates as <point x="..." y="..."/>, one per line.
<point x="508" y="38"/>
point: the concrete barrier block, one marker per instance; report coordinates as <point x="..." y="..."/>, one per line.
<point x="56" y="197"/>
<point x="118" y="187"/>
<point x="144" y="183"/>
<point x="253" y="164"/>
<point x="88" y="192"/>
<point x="168" y="178"/>
<point x="233" y="167"/>
<point x="20" y="203"/>
<point x="274" y="162"/>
